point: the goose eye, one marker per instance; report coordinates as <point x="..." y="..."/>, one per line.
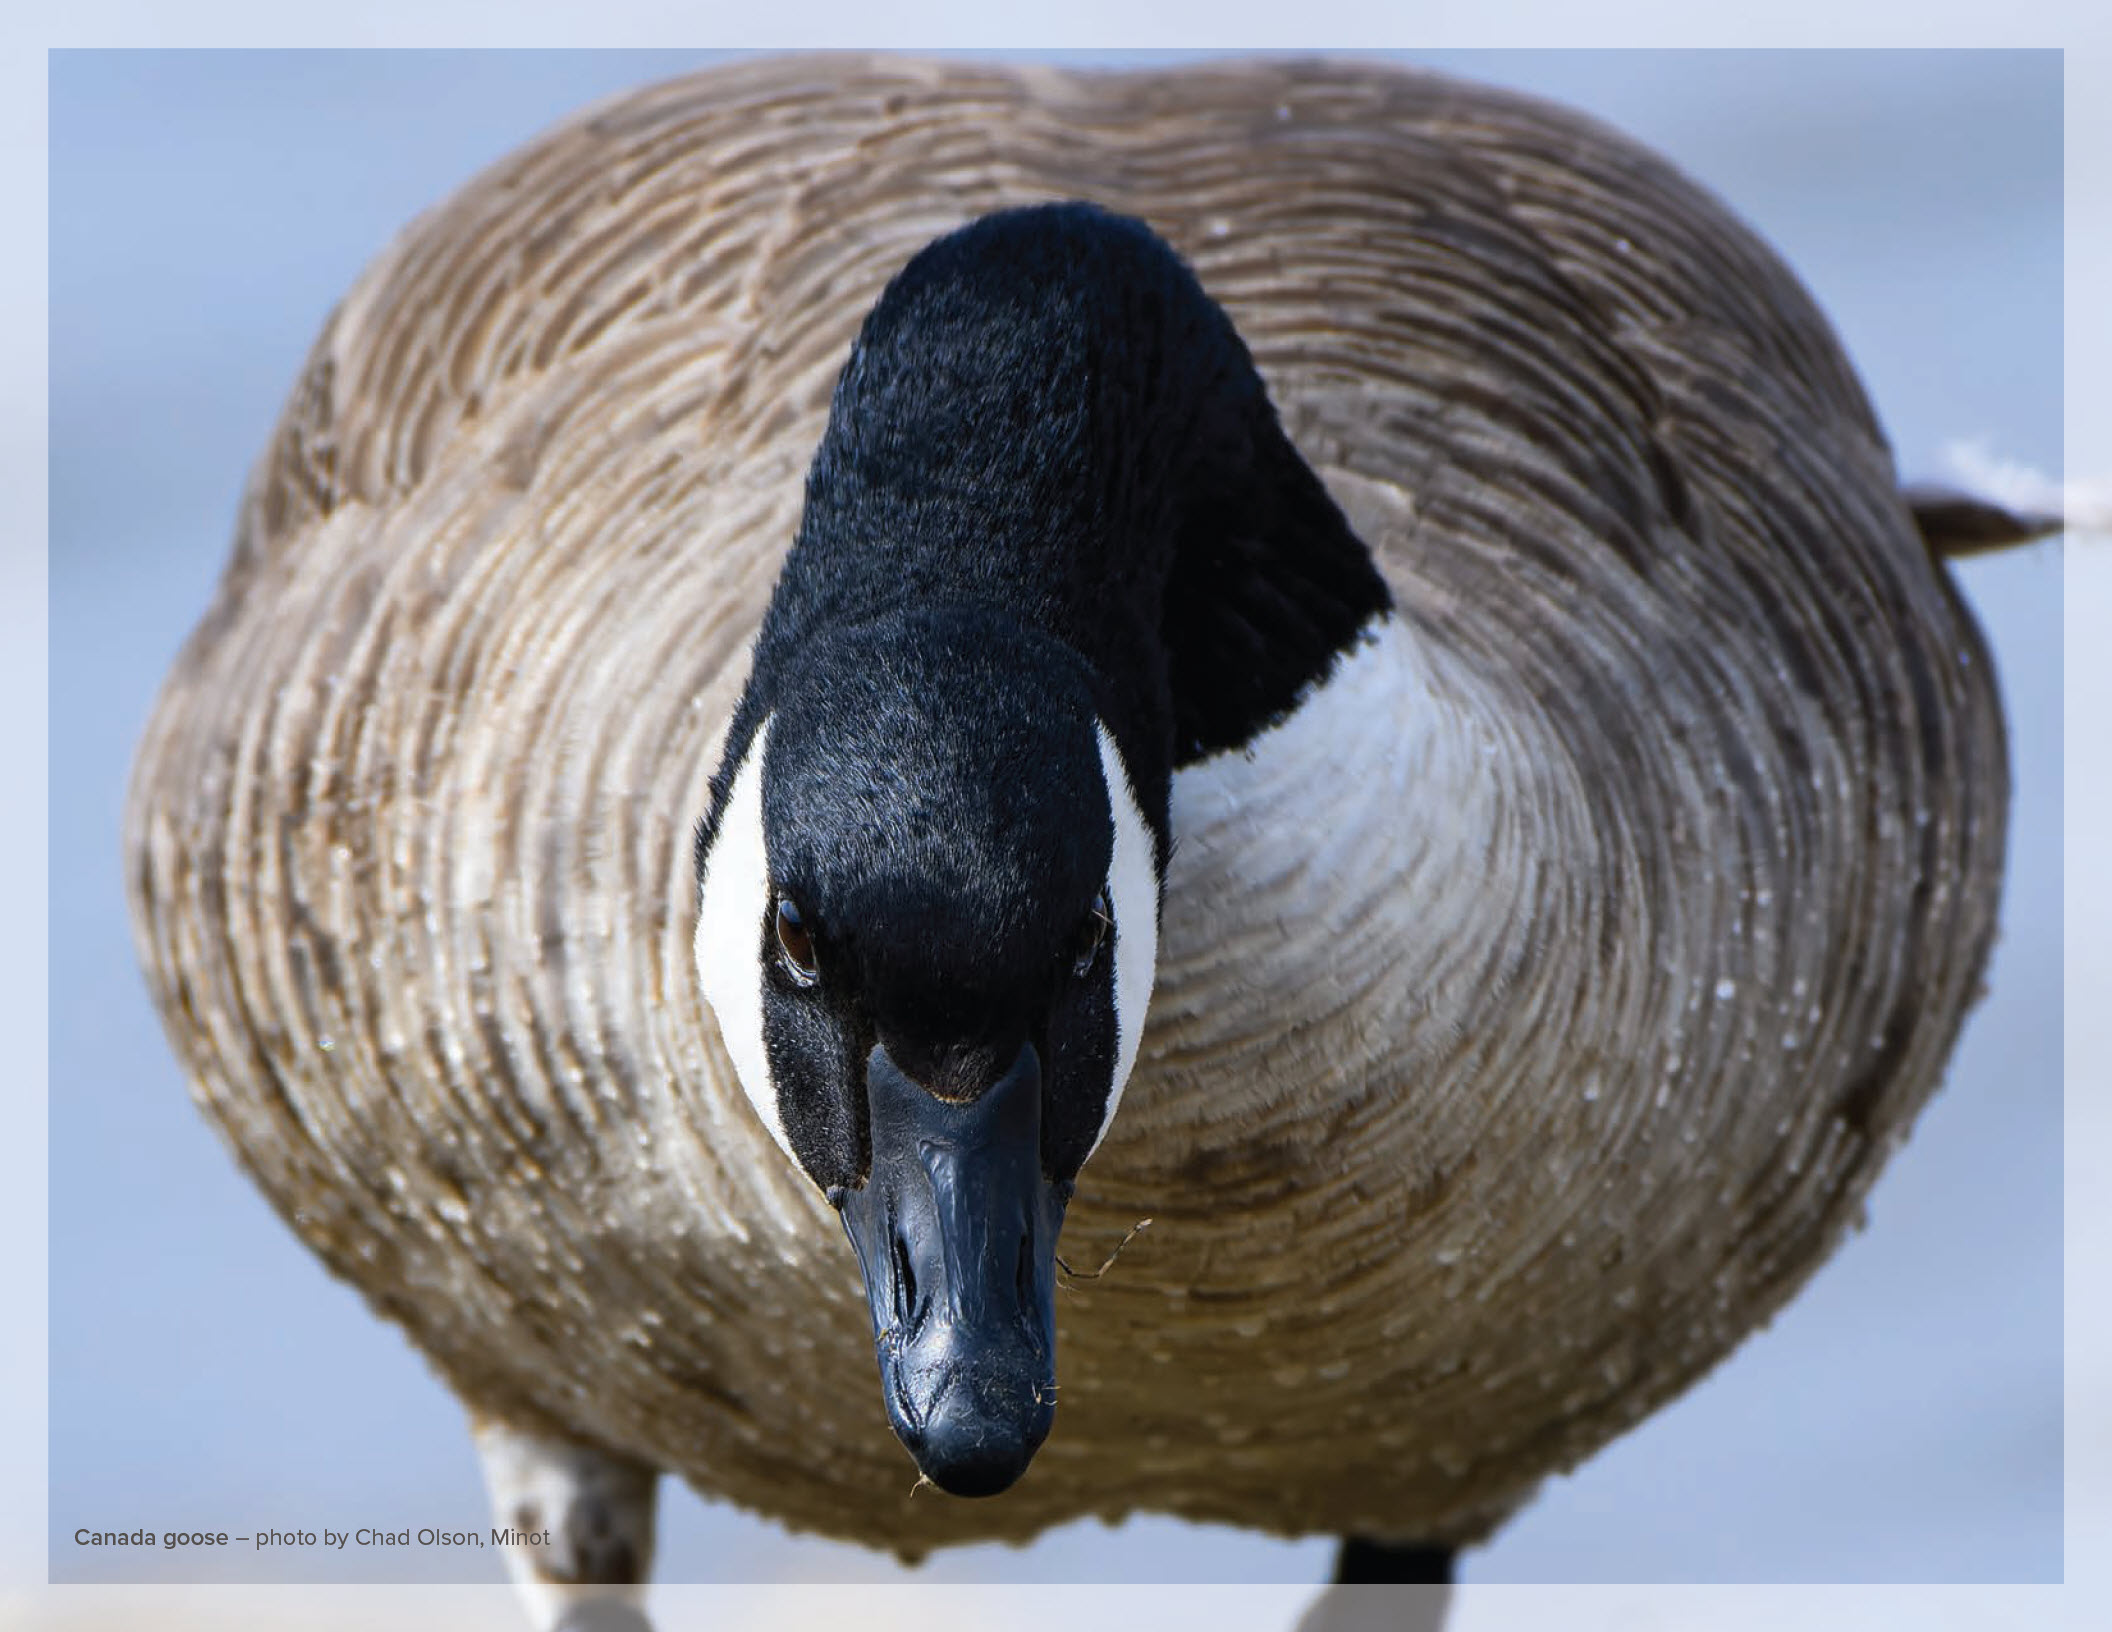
<point x="795" y="943"/>
<point x="1091" y="937"/>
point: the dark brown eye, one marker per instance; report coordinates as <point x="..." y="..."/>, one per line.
<point x="1091" y="936"/>
<point x="795" y="943"/>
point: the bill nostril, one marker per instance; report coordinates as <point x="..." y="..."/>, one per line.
<point x="905" y="1282"/>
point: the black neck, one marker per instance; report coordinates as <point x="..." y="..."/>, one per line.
<point x="1045" y="413"/>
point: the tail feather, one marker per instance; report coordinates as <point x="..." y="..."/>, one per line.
<point x="2000" y="502"/>
<point x="1955" y="524"/>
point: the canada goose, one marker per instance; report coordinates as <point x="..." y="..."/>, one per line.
<point x="507" y="961"/>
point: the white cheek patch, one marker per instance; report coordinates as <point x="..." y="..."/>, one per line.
<point x="1133" y="897"/>
<point x="736" y="894"/>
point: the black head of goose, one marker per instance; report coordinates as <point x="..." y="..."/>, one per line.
<point x="1055" y="546"/>
<point x="1489" y="861"/>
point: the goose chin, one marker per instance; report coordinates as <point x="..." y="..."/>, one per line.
<point x="955" y="1230"/>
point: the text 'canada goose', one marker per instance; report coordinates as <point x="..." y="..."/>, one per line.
<point x="846" y="675"/>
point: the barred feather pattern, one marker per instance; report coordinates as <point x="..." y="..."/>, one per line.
<point x="1509" y="1061"/>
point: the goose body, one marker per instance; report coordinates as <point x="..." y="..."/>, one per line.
<point x="1544" y="964"/>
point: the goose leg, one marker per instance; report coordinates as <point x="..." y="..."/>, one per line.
<point x="1365" y="1563"/>
<point x="1384" y="1587"/>
<point x="578" y="1524"/>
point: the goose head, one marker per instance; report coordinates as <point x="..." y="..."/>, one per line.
<point x="928" y="923"/>
<point x="1037" y="565"/>
<point x="928" y="883"/>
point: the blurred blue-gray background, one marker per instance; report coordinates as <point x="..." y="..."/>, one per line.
<point x="1901" y="1421"/>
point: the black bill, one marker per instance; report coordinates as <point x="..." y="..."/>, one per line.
<point x="955" y="1230"/>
